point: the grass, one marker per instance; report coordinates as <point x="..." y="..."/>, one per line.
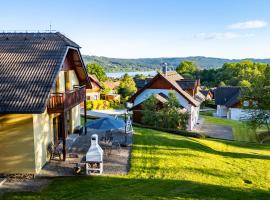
<point x="241" y="132"/>
<point x="167" y="166"/>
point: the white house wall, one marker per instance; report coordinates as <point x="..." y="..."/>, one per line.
<point x="221" y="111"/>
<point x="43" y="136"/>
<point x="238" y="114"/>
<point x="194" y="116"/>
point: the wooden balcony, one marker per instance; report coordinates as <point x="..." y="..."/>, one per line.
<point x="61" y="102"/>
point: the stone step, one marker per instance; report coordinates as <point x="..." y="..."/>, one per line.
<point x="2" y="181"/>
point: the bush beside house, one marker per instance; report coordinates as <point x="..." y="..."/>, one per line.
<point x="169" y="116"/>
<point x="101" y="104"/>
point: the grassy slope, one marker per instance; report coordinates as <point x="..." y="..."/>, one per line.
<point x="241" y="132"/>
<point x="166" y="166"/>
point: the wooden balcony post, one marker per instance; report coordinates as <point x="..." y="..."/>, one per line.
<point x="63" y="119"/>
<point x="85" y="121"/>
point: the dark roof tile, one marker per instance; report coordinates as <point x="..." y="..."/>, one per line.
<point x="187" y="84"/>
<point x="227" y="96"/>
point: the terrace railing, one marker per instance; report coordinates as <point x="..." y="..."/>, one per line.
<point x="60" y="102"/>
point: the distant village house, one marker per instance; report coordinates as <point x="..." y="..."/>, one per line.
<point x="93" y="91"/>
<point x="187" y="92"/>
<point x="230" y="104"/>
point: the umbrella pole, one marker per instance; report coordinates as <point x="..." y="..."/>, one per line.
<point x="125" y="123"/>
<point x="85" y="128"/>
<point x="126" y="128"/>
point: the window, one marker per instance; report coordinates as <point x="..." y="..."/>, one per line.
<point x="95" y="97"/>
<point x="246" y="103"/>
<point x="255" y="103"/>
<point x="88" y="97"/>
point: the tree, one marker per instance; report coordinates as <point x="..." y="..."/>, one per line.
<point x="140" y="77"/>
<point x="149" y="111"/>
<point x="221" y="84"/>
<point x="245" y="83"/>
<point x="259" y="94"/>
<point x="187" y="68"/>
<point x="127" y="86"/>
<point x="169" y="116"/>
<point x="105" y="90"/>
<point x="172" y="100"/>
<point x="94" y="68"/>
<point x="208" y="77"/>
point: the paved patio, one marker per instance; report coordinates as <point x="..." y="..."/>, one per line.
<point x="115" y="161"/>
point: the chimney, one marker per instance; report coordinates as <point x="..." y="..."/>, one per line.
<point x="164" y="68"/>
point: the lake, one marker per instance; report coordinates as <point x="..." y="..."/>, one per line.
<point x="120" y="74"/>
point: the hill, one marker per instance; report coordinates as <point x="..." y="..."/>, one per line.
<point x="146" y="64"/>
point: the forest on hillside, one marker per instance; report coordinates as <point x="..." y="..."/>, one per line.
<point x="149" y="64"/>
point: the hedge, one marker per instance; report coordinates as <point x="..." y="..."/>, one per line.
<point x="173" y="131"/>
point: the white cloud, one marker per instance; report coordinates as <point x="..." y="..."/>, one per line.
<point x="222" y="35"/>
<point x="248" y="25"/>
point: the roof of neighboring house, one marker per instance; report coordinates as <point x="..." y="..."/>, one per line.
<point x="112" y="84"/>
<point x="94" y="79"/>
<point x="173" y="80"/>
<point x="172" y="77"/>
<point x="140" y="83"/>
<point x="29" y="64"/>
<point x="205" y="92"/>
<point x="186" y="84"/>
<point x="227" y="96"/>
<point x="212" y="90"/>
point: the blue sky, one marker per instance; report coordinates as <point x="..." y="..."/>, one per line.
<point x="150" y="28"/>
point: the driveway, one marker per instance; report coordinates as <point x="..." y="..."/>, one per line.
<point x="217" y="131"/>
<point x="214" y="131"/>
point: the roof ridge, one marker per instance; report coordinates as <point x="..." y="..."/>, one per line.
<point x="66" y="39"/>
<point x="188" y="96"/>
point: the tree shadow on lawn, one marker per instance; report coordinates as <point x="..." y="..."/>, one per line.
<point x="153" y="170"/>
<point x="244" y="144"/>
<point x="159" y="141"/>
<point x="132" y="188"/>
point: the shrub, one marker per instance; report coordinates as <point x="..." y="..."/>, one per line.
<point x="97" y="105"/>
<point x="169" y="116"/>
<point x="173" y="131"/>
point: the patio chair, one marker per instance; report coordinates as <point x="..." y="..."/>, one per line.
<point x="107" y="148"/>
<point x="115" y="143"/>
<point x="108" y="136"/>
<point x="55" y="151"/>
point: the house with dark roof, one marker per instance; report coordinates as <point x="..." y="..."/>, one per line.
<point x="207" y="94"/>
<point x="160" y="86"/>
<point x="42" y="82"/>
<point x="230" y="104"/>
<point x="93" y="92"/>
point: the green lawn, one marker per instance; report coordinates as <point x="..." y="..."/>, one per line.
<point x="167" y="166"/>
<point x="241" y="132"/>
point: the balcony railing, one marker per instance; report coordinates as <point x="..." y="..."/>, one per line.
<point x="60" y="102"/>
